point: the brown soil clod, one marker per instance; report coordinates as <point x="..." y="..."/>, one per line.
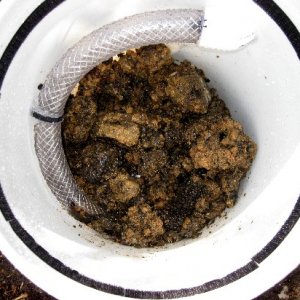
<point x="150" y="143"/>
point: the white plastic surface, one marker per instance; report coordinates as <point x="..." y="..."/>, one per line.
<point x="262" y="94"/>
<point x="225" y="29"/>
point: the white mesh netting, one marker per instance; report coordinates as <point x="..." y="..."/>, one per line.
<point x="169" y="26"/>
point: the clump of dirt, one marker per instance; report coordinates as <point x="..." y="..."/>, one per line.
<point x="150" y="143"/>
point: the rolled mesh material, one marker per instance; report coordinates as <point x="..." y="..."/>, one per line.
<point x="169" y="26"/>
<point x="55" y="168"/>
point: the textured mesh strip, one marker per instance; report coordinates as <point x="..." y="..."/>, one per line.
<point x="182" y="26"/>
<point x="55" y="169"/>
<point x="169" y="26"/>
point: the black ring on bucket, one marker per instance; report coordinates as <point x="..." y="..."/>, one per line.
<point x="291" y="32"/>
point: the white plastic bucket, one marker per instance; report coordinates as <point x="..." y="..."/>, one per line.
<point x="239" y="256"/>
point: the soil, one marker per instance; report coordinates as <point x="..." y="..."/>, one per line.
<point x="154" y="147"/>
<point x="14" y="286"/>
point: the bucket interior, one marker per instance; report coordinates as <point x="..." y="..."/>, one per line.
<point x="260" y="85"/>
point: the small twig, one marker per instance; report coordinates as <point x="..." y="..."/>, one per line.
<point x="22" y="296"/>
